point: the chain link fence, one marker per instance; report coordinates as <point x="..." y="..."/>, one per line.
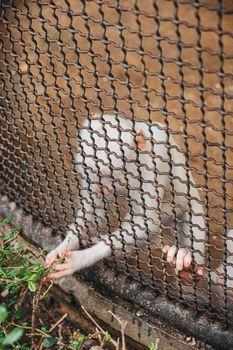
<point x="116" y="117"/>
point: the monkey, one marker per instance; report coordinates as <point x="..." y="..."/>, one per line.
<point x="222" y="277"/>
<point x="141" y="161"/>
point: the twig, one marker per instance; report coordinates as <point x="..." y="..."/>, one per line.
<point x="13" y="267"/>
<point x="115" y="343"/>
<point x="40" y="343"/>
<point x="47" y="290"/>
<point x="60" y="337"/>
<point x="45" y="335"/>
<point x="123" y="325"/>
<point x="47" y="311"/>
<point x="9" y="240"/>
<point x="35" y="302"/>
<point x="101" y="340"/>
<point x="19" y="325"/>
<point x="39" y="334"/>
<point x="22" y="295"/>
<point x="57" y="323"/>
<point x="93" y="320"/>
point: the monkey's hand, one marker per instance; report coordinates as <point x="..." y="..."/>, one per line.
<point x="79" y="259"/>
<point x="68" y="267"/>
<point x="71" y="242"/>
<point x="181" y="258"/>
<point x="73" y="261"/>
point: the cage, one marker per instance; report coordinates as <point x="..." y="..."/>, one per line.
<point x="116" y="123"/>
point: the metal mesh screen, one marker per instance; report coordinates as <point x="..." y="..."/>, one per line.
<point x="162" y="73"/>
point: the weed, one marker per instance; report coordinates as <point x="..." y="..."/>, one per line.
<point x="154" y="345"/>
<point x="22" y="288"/>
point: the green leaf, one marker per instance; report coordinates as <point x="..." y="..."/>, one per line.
<point x="18" y="312"/>
<point x="16" y="271"/>
<point x="3" y="313"/>
<point x="76" y="344"/>
<point x="48" y="342"/>
<point x="107" y="337"/>
<point x="3" y="221"/>
<point x="34" y="277"/>
<point x="140" y="313"/>
<point x="16" y="230"/>
<point x="13" y="336"/>
<point x="152" y="346"/>
<point x="2" y="272"/>
<point x="32" y="286"/>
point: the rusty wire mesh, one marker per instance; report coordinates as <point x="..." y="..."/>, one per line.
<point x="61" y="62"/>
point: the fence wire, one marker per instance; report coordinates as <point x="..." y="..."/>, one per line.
<point x="116" y="116"/>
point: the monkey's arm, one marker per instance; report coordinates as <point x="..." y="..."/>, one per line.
<point x="80" y="259"/>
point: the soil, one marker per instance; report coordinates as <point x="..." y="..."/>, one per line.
<point x="49" y="312"/>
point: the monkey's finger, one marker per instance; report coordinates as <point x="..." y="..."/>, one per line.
<point x="171" y="253"/>
<point x="166" y="248"/>
<point x="188" y="259"/>
<point x="180" y="259"/>
<point x="53" y="256"/>
<point x="200" y="271"/>
<point x="63" y="253"/>
<point x="50" y="258"/>
<point x="59" y="274"/>
<point x="66" y="254"/>
<point x="61" y="267"/>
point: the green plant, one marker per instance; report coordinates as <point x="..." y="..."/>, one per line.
<point x="19" y="277"/>
<point x="77" y="344"/>
<point x="13" y="336"/>
<point x="154" y="345"/>
<point x="24" y="291"/>
<point x="16" y="269"/>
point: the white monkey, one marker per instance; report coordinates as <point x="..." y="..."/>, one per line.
<point x="145" y="165"/>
